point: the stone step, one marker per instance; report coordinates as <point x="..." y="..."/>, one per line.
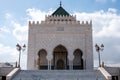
<point x="59" y="75"/>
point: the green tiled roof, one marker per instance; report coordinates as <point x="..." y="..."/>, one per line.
<point x="60" y="11"/>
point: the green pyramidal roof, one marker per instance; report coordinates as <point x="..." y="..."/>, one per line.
<point x="60" y="11"/>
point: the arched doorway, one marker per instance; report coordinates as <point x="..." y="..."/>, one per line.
<point x="60" y="57"/>
<point x="42" y="60"/>
<point x="78" y="60"/>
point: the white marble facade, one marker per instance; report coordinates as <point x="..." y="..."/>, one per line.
<point x="64" y="32"/>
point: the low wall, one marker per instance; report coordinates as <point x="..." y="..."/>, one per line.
<point x="12" y="73"/>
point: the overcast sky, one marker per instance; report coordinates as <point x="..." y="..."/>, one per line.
<point x="15" y="14"/>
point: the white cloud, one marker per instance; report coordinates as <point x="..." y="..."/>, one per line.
<point x="112" y="10"/>
<point x="37" y="15"/>
<point x="112" y="30"/>
<point x="20" y="32"/>
<point x="105" y="24"/>
<point x="7" y="50"/>
<point x="5" y="29"/>
<point x="8" y="16"/>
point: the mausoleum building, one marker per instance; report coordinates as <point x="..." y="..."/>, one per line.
<point x="60" y="43"/>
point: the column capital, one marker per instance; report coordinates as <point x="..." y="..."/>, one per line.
<point x="71" y="57"/>
<point x="49" y="57"/>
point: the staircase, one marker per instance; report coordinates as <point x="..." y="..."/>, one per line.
<point x="59" y="75"/>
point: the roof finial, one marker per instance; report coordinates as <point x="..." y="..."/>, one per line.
<point x="60" y="3"/>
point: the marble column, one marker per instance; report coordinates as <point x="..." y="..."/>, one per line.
<point x="71" y="57"/>
<point x="49" y="58"/>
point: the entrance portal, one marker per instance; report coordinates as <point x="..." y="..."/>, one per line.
<point x="78" y="60"/>
<point x="42" y="60"/>
<point x="60" y="57"/>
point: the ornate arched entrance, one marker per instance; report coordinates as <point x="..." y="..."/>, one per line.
<point x="42" y="60"/>
<point x="60" y="57"/>
<point x="78" y="60"/>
